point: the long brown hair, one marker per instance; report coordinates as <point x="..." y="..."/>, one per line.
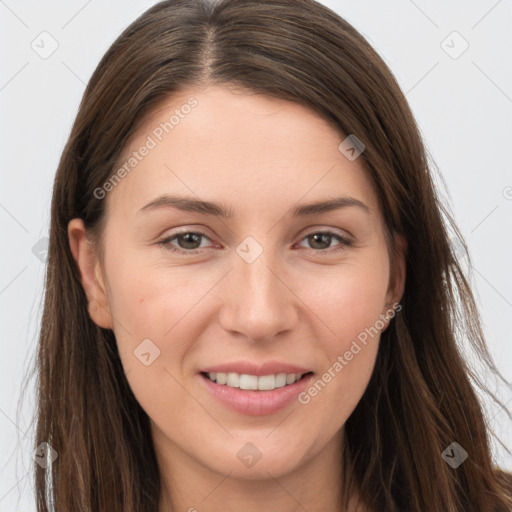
<point x="420" y="398"/>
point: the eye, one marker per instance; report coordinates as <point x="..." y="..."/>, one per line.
<point x="324" y="239"/>
<point x="188" y="241"/>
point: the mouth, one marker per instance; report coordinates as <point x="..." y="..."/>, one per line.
<point x="255" y="395"/>
<point x="250" y="382"/>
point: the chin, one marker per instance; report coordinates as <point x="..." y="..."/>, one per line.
<point x="256" y="461"/>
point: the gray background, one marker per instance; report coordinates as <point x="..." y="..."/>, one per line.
<point x="463" y="105"/>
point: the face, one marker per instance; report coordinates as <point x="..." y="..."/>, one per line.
<point x="271" y="290"/>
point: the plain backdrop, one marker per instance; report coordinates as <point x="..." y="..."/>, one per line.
<point x="452" y="59"/>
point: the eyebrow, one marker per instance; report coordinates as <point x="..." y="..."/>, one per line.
<point x="187" y="204"/>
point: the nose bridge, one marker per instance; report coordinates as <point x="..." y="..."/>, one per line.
<point x="259" y="304"/>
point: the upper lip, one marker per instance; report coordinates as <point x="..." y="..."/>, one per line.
<point x="250" y="368"/>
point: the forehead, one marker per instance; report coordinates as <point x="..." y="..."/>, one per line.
<point x="259" y="149"/>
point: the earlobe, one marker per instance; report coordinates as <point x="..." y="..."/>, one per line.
<point x="91" y="275"/>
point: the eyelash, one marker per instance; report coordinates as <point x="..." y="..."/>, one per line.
<point x="344" y="242"/>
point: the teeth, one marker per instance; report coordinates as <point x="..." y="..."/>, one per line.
<point x="267" y="382"/>
<point x="233" y="380"/>
<point x="248" y="381"/>
<point x="254" y="382"/>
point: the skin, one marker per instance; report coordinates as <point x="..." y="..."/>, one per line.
<point x="260" y="156"/>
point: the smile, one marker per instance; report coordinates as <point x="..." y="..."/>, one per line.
<point x="254" y="382"/>
<point x="255" y="395"/>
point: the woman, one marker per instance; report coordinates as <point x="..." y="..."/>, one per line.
<point x="252" y="302"/>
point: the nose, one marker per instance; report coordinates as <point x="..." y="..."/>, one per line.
<point x="259" y="303"/>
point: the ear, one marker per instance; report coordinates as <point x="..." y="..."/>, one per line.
<point x="397" y="280"/>
<point x="92" y="279"/>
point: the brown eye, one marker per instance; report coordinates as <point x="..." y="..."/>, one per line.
<point x="321" y="240"/>
<point x="187" y="242"/>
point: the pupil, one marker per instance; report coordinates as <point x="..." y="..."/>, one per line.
<point x="187" y="237"/>
<point x="316" y="236"/>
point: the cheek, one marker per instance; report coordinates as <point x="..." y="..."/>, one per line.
<point x="350" y="300"/>
<point x="166" y="305"/>
<point x="148" y="299"/>
<point x="136" y="299"/>
<point x="152" y="310"/>
<point x="349" y="355"/>
<point x="350" y="305"/>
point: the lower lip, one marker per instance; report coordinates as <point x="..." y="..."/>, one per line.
<point x="256" y="403"/>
